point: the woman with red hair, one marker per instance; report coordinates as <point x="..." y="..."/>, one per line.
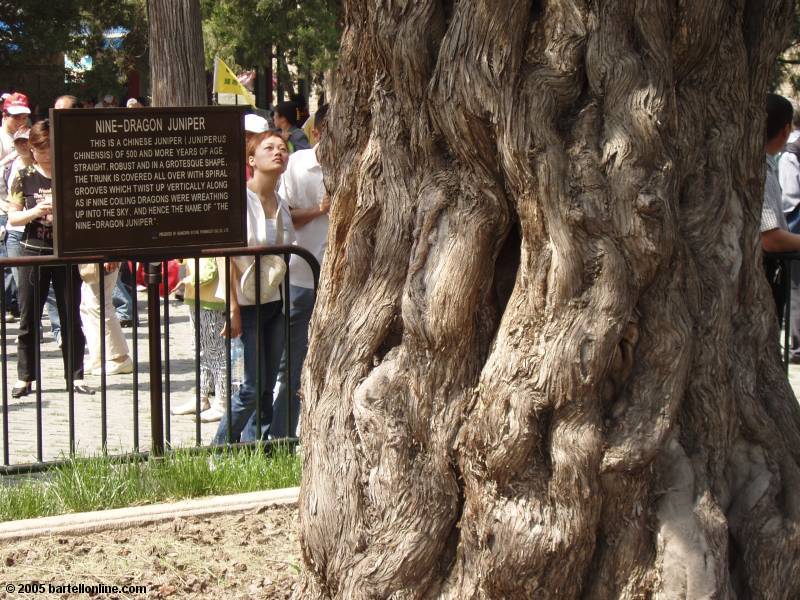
<point x="258" y="320"/>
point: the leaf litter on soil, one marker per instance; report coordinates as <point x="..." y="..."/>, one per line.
<point x="240" y="556"/>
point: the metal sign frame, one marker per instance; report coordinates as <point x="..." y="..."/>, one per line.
<point x="72" y="133"/>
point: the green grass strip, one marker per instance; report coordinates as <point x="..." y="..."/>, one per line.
<point x="101" y="482"/>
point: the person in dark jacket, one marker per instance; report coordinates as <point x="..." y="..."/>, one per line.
<point x="286" y="119"/>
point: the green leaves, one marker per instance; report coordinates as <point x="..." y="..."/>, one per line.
<point x="787" y="68"/>
<point x="35" y="30"/>
<point x="243" y="32"/>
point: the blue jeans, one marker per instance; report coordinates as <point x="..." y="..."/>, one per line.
<point x="793" y="219"/>
<point x="242" y="415"/>
<point x="52" y="312"/>
<point x="9" y="279"/>
<point x="14" y="249"/>
<point x="122" y="296"/>
<point x="288" y="411"/>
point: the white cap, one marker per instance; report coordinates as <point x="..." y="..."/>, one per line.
<point x="132" y="102"/>
<point x="255" y="124"/>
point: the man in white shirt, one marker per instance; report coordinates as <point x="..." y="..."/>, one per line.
<point x="303" y="189"/>
<point x="789" y="178"/>
<point x="775" y="234"/>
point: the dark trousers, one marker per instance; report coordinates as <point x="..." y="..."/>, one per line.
<point x="793" y="219"/>
<point x="778" y="280"/>
<point x="122" y="296"/>
<point x="31" y="316"/>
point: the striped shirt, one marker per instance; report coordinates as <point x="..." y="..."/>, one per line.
<point x="772" y="216"/>
<point x="789" y="176"/>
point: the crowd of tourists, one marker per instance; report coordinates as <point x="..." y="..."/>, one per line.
<point x="780" y="214"/>
<point x="286" y="204"/>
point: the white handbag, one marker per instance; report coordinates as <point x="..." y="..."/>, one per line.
<point x="272" y="270"/>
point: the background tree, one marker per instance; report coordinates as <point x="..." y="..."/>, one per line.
<point x="544" y="360"/>
<point x="113" y="58"/>
<point x="244" y="33"/>
<point x="177" y="75"/>
<point x="35" y="29"/>
<point x="38" y="34"/>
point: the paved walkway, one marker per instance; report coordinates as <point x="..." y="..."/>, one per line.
<point x="119" y="398"/>
<point x="120" y="412"/>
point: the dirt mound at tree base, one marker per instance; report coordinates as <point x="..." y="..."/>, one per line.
<point x="251" y="555"/>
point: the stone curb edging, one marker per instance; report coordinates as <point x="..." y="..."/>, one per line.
<point x="137" y="516"/>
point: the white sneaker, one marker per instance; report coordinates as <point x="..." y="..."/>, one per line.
<point x="116" y="368"/>
<point x="211" y="415"/>
<point x="188" y="407"/>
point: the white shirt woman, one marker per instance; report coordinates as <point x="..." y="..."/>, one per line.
<point x="259" y="324"/>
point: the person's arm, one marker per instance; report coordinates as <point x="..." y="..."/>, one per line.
<point x="17" y="213"/>
<point x="8" y="158"/>
<point x="289" y="236"/>
<point x="236" y="316"/>
<point x="303" y="216"/>
<point x="779" y="240"/>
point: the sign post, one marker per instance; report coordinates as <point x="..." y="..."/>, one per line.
<point x="153" y="274"/>
<point x="148" y="181"/>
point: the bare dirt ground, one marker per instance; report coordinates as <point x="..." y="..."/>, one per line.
<point x="242" y="556"/>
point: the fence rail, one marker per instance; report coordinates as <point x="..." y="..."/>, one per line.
<point x="160" y="371"/>
<point x="785" y="261"/>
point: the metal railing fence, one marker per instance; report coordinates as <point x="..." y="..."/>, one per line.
<point x="779" y="266"/>
<point x="161" y="398"/>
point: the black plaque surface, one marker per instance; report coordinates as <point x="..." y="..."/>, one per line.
<point x="148" y="180"/>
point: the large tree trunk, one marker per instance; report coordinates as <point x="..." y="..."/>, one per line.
<point x="177" y="73"/>
<point x="544" y="361"/>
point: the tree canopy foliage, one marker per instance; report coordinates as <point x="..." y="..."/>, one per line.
<point x="242" y="32"/>
<point x="787" y="68"/>
<point x="36" y="32"/>
<point x="33" y="30"/>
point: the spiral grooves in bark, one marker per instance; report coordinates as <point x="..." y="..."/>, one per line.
<point x="616" y="427"/>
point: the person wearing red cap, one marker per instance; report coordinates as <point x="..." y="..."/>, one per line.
<point x="14" y="233"/>
<point x="15" y="117"/>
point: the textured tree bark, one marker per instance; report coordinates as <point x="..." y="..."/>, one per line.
<point x="177" y="72"/>
<point x="544" y="361"/>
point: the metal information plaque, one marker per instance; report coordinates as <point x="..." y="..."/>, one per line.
<point x="138" y="181"/>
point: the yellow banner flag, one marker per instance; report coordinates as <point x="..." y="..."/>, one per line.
<point x="225" y="82"/>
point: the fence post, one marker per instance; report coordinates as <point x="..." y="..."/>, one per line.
<point x="154" y="343"/>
